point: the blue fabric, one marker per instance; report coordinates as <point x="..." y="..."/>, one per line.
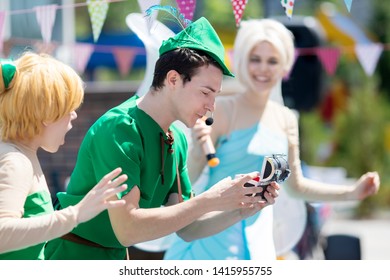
<point x="242" y="151"/>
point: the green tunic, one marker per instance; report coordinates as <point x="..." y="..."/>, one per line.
<point x="36" y="204"/>
<point x="123" y="137"/>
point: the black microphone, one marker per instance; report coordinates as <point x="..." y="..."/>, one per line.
<point x="209" y="121"/>
<point x="208" y="146"/>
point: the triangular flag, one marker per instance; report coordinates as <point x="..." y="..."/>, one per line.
<point x="46" y="16"/>
<point x="238" y="10"/>
<point x="288" y="6"/>
<point x="98" y="12"/>
<point x="348" y="3"/>
<point x="368" y="55"/>
<point x="2" y="19"/>
<point x="186" y="7"/>
<point x="329" y="58"/>
<point x="43" y="47"/>
<point x="144" y="5"/>
<point x="124" y="58"/>
<point x="84" y="52"/>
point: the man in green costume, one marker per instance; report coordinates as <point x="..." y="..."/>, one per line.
<point x="139" y="135"/>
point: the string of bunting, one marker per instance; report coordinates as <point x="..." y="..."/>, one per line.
<point x="367" y="54"/>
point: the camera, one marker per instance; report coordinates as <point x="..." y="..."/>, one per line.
<point x="275" y="169"/>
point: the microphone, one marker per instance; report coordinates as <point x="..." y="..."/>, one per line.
<point x="208" y="147"/>
<point x="209" y="121"/>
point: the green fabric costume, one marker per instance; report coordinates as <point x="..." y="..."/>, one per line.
<point x="36" y="204"/>
<point x="125" y="136"/>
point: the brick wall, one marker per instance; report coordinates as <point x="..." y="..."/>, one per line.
<point x="98" y="99"/>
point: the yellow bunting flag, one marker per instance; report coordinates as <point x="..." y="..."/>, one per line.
<point x="97" y="11"/>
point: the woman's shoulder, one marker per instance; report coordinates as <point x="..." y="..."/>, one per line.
<point x="281" y="109"/>
<point x="287" y="117"/>
<point x="11" y="150"/>
<point x="14" y="159"/>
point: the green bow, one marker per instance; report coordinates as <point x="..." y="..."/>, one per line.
<point x="9" y="69"/>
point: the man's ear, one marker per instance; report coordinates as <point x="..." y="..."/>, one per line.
<point x="173" y="78"/>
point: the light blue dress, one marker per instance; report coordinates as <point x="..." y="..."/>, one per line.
<point x="240" y="152"/>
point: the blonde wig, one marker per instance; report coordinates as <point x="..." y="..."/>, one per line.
<point x="42" y="90"/>
<point x="255" y="31"/>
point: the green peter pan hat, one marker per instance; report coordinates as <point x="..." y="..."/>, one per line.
<point x="199" y="35"/>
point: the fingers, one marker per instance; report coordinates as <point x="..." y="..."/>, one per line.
<point x="111" y="175"/>
<point x="115" y="203"/>
<point x="369" y="184"/>
<point x="119" y="180"/>
<point x="108" y="182"/>
<point x="201" y="130"/>
<point x="270" y="194"/>
<point x="241" y="179"/>
<point x="375" y="178"/>
<point x="114" y="190"/>
<point x="109" y="187"/>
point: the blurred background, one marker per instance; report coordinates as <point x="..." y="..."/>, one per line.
<point x="339" y="85"/>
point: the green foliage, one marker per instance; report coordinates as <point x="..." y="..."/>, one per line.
<point x="359" y="137"/>
<point x="358" y="132"/>
<point x="314" y="136"/>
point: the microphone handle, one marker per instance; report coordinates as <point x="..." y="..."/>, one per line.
<point x="209" y="150"/>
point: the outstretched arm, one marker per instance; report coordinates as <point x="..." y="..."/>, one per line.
<point x="366" y="185"/>
<point x="214" y="222"/>
<point x="17" y="232"/>
<point x="132" y="224"/>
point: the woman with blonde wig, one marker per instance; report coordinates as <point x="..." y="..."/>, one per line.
<point x="38" y="99"/>
<point x="249" y="125"/>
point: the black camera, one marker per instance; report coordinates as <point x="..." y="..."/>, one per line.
<point x="275" y="169"/>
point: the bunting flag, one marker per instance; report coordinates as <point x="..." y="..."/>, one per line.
<point x="186" y="7"/>
<point x="124" y="58"/>
<point x="98" y="12"/>
<point x="238" y="10"/>
<point x="368" y="56"/>
<point x="329" y="58"/>
<point x="46" y="16"/>
<point x="288" y="6"/>
<point x="348" y="3"/>
<point x="2" y="19"/>
<point x="84" y="52"/>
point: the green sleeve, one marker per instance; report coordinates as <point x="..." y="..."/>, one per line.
<point x="113" y="141"/>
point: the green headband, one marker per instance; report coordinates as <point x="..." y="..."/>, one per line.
<point x="9" y="69"/>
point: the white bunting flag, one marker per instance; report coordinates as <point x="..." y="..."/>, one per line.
<point x="368" y="55"/>
<point x="348" y="3"/>
<point x="46" y="16"/>
<point x="83" y="54"/>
